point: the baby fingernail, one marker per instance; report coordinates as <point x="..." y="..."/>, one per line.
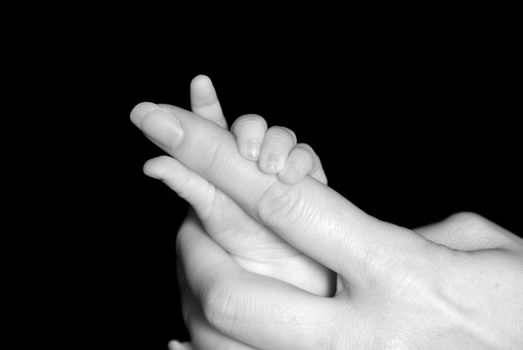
<point x="272" y="161"/>
<point x="290" y="174"/>
<point x="252" y="149"/>
<point x="162" y="127"/>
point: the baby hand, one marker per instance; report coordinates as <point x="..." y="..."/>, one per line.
<point x="276" y="150"/>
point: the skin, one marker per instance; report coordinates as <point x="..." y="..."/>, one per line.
<point x="457" y="284"/>
<point x="254" y="247"/>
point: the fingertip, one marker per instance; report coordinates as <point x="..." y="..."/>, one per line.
<point x="150" y="168"/>
<point x="175" y="345"/>
<point x="249" y="124"/>
<point x="202" y="91"/>
<point x="155" y="167"/>
<point x="299" y="164"/>
<point x="141" y="110"/>
<point x="201" y="80"/>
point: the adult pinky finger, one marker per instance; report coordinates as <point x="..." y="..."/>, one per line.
<point x="203" y="335"/>
<point x="253" y="309"/>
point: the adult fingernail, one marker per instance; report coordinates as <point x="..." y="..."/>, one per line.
<point x="162" y="127"/>
<point x="141" y="110"/>
<point x="272" y="162"/>
<point x="252" y="149"/>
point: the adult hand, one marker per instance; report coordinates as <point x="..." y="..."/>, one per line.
<point x="465" y="293"/>
<point x="396" y="288"/>
<point x="254" y="247"/>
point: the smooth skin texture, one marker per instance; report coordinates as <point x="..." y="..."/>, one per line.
<point x="276" y="150"/>
<point x="457" y="284"/>
<point x="253" y="246"/>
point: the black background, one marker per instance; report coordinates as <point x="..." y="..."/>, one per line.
<point x="411" y="130"/>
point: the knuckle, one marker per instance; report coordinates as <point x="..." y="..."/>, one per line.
<point x="214" y="161"/>
<point x="187" y="180"/>
<point x="206" y="207"/>
<point x="485" y="232"/>
<point x="213" y="155"/>
<point x="220" y="304"/>
<point x="469" y="220"/>
<point x="282" y="133"/>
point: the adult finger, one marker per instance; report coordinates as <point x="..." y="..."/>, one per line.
<point x="310" y="216"/>
<point x="253" y="309"/>
<point x="203" y="335"/>
<point x="205" y="148"/>
<point x="197" y="191"/>
<point x="468" y="231"/>
<point x="252" y="245"/>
